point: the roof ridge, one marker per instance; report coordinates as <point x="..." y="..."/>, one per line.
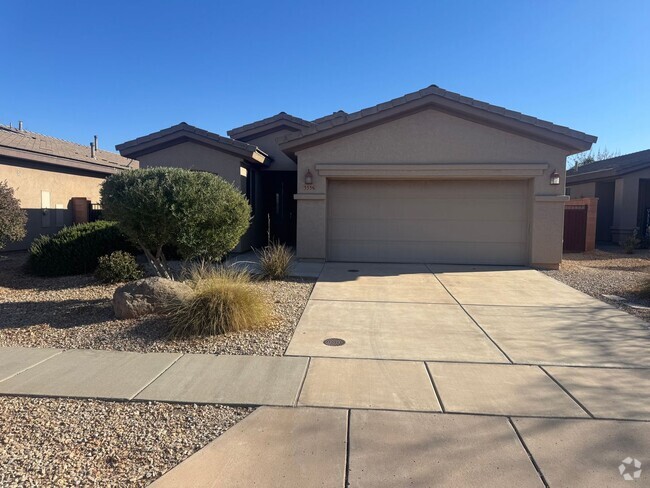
<point x="184" y="126"/>
<point x="440" y="92"/>
<point x="267" y="120"/>
<point x="63" y="148"/>
<point x="26" y="132"/>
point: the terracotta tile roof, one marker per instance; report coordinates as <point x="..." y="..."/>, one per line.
<point x="434" y="92"/>
<point x="27" y="142"/>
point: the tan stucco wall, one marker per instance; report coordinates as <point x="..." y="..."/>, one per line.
<point x="431" y="136"/>
<point x="626" y="201"/>
<point x="29" y="183"/>
<point x="583" y="190"/>
<point x="190" y="155"/>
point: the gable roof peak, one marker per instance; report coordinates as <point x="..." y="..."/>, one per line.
<point x="267" y="123"/>
<point x="151" y="142"/>
<point x="435" y="97"/>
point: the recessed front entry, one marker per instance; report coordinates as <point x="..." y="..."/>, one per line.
<point x="435" y="221"/>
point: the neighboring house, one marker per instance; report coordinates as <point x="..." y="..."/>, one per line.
<point x="48" y="173"/>
<point x="429" y="177"/>
<point x="622" y="186"/>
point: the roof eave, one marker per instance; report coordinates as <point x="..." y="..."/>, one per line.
<point x="376" y="116"/>
<point x="30" y="156"/>
<point x="588" y="176"/>
<point x="135" y="149"/>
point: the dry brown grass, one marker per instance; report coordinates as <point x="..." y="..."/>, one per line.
<point x="222" y="300"/>
<point x="275" y="260"/>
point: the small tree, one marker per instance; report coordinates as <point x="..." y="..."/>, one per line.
<point x="12" y="218"/>
<point x="588" y="157"/>
<point x="199" y="213"/>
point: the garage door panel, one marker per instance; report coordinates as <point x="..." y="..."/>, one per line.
<point x="433" y="209"/>
<point x="477" y="222"/>
<point x="413" y="252"/>
<point x="428" y="230"/>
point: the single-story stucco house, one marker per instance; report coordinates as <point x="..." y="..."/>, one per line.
<point x="52" y="178"/>
<point x="432" y="176"/>
<point x="622" y="186"/>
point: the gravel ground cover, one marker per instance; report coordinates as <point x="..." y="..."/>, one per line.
<point x="75" y="312"/>
<point x="608" y="271"/>
<point x="64" y="442"/>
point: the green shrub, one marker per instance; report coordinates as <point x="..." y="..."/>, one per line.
<point x="275" y="260"/>
<point x="12" y="218"/>
<point x="117" y="267"/>
<point x="76" y="249"/>
<point x="198" y="213"/>
<point x="222" y="300"/>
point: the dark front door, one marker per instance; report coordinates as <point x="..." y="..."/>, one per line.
<point x="575" y="228"/>
<point x="278" y="189"/>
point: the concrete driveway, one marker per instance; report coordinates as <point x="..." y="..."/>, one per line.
<point x="464" y="313"/>
<point x="463" y="339"/>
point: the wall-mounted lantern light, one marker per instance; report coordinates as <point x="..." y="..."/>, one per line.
<point x="309" y="179"/>
<point x="555" y="178"/>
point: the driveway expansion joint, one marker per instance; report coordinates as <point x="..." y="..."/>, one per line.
<point x="530" y="455"/>
<point x="578" y="402"/>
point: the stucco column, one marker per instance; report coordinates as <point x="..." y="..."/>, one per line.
<point x="626" y="201"/>
<point x="311" y="225"/>
<point x="547" y="231"/>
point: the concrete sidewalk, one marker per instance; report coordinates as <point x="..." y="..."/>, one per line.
<point x="338" y="448"/>
<point x="451" y="387"/>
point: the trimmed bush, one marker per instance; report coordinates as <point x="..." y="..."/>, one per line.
<point x="76" y="249"/>
<point x="12" y="218"/>
<point x="275" y="260"/>
<point x="117" y="267"/>
<point x="198" y="213"/>
<point x="222" y="300"/>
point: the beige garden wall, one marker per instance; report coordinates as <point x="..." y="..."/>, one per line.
<point x="432" y="136"/>
<point x="45" y="195"/>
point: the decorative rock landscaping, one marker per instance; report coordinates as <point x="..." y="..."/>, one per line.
<point x="76" y="312"/>
<point x="65" y="442"/>
<point x="145" y="297"/>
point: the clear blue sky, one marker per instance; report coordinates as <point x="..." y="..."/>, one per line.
<point x="125" y="69"/>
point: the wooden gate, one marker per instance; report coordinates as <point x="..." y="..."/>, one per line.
<point x="575" y="228"/>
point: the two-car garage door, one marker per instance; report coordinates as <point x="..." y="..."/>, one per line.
<point x="432" y="221"/>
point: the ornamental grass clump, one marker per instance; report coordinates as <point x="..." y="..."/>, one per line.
<point x="275" y="260"/>
<point x="222" y="300"/>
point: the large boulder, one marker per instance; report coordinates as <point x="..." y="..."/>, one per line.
<point x="146" y="296"/>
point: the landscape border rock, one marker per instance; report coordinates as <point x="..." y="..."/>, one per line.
<point x="146" y="296"/>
